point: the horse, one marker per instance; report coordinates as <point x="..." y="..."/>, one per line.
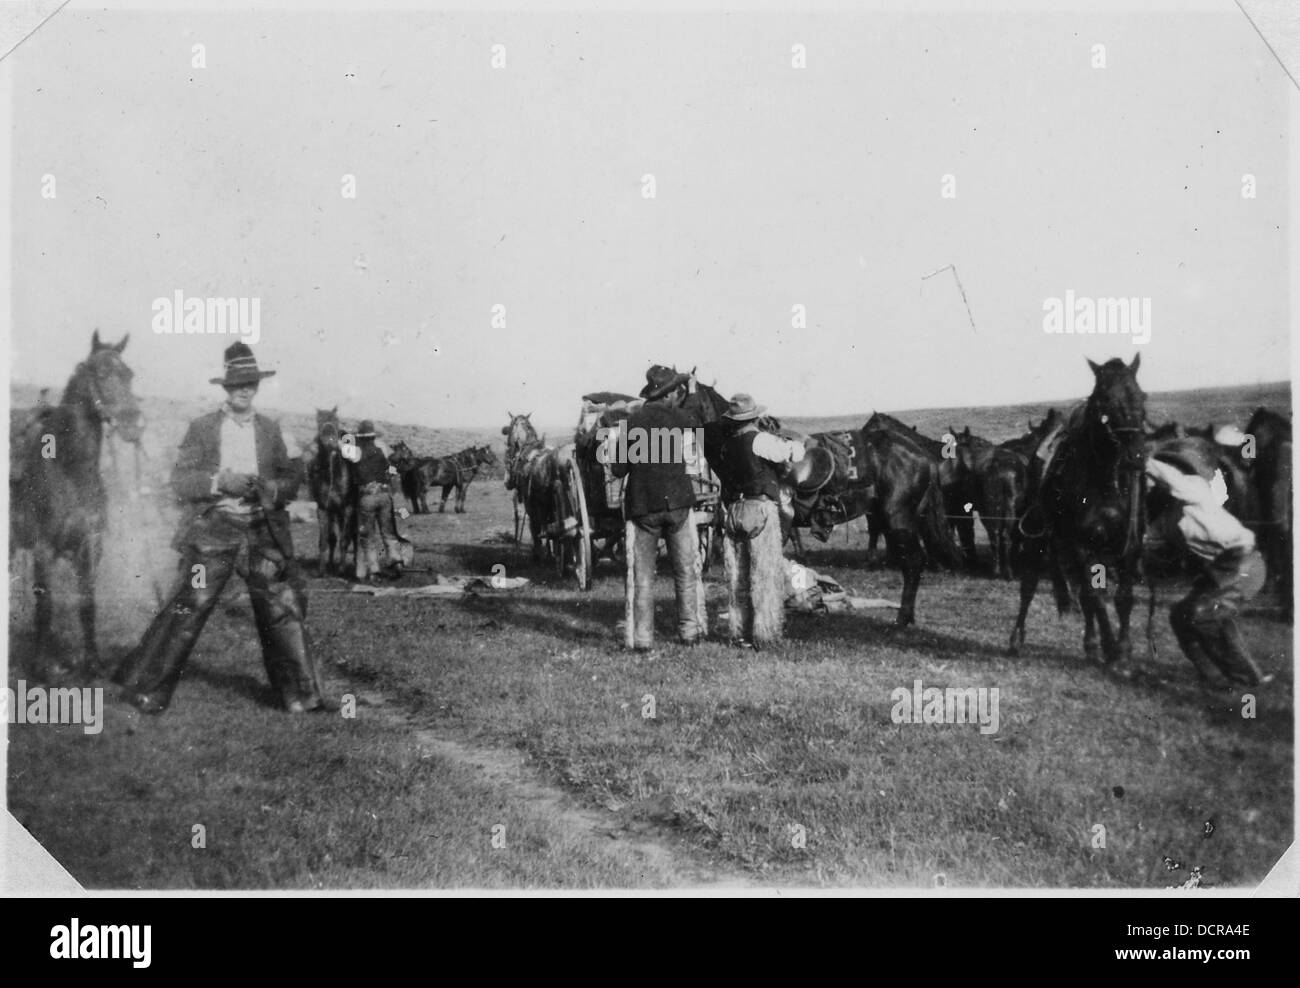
<point x="533" y="472"/>
<point x="454" y="473"/>
<point x="1270" y="474"/>
<point x="1086" y="517"/>
<point x="412" y="476"/>
<point x="943" y="455"/>
<point x="991" y="480"/>
<point x="333" y="488"/>
<point x="909" y="501"/>
<point x="58" y="504"/>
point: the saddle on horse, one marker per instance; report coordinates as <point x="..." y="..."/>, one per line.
<point x="813" y="472"/>
<point x="835" y="466"/>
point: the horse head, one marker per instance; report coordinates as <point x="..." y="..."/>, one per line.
<point x="519" y="432"/>
<point x="483" y="454"/>
<point x="102" y="385"/>
<point x="1117" y="409"/>
<point x="401" y="456"/>
<point x="328" y="427"/>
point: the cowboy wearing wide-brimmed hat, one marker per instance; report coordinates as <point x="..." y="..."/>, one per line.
<point x="241" y="368"/>
<point x="751" y="492"/>
<point x="376" y="525"/>
<point x="658" y="500"/>
<point x="662" y="381"/>
<point x="234" y="473"/>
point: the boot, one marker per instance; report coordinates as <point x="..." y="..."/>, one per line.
<point x="1232" y="656"/>
<point x="285" y="649"/>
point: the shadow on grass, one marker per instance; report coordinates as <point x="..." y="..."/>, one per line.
<point x="239" y="684"/>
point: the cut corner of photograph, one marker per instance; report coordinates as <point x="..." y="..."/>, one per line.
<point x="647" y="449"/>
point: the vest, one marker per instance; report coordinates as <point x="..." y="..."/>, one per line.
<point x="747" y="475"/>
<point x="373" y="466"/>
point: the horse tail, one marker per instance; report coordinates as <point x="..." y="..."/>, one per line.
<point x="934" y="530"/>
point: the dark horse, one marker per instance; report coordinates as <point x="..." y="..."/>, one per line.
<point x="58" y="506"/>
<point x="408" y="469"/>
<point x="1086" y="518"/>
<point x="533" y="473"/>
<point x="991" y="480"/>
<point x="454" y="473"/>
<point x="333" y="488"/>
<point x="1270" y="475"/>
<point x="909" y="502"/>
<point x="943" y="454"/>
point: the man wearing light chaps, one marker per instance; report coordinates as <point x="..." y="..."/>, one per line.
<point x="234" y="475"/>
<point x="752" y="552"/>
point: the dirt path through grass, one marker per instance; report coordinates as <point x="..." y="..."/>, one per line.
<point x="508" y="773"/>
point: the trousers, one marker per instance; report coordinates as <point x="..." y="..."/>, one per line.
<point x="755" y="569"/>
<point x="376" y="532"/>
<point x="217" y="545"/>
<point x="676" y="529"/>
<point x="1205" y="621"/>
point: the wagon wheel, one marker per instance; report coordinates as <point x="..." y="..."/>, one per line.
<point x="582" y="562"/>
<point x="705" y="534"/>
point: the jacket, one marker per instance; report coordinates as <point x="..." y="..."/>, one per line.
<point x="199" y="459"/>
<point x="655" y="486"/>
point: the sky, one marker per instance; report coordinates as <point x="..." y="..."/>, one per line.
<point x="518" y="192"/>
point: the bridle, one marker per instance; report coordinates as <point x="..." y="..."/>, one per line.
<point x="90" y="384"/>
<point x="1121" y="440"/>
<point x="524" y="450"/>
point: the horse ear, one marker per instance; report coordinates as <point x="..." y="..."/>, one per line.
<point x="1137" y="359"/>
<point x="94" y="342"/>
<point x="510" y="415"/>
<point x="1096" y="368"/>
<point x="122" y="345"/>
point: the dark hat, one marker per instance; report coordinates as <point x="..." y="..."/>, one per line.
<point x="241" y="367"/>
<point x="366" y="430"/>
<point x="661" y="380"/>
<point x="742" y="408"/>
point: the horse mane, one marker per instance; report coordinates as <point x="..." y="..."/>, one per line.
<point x="883" y="422"/>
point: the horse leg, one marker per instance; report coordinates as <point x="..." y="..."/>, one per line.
<point x="42" y="566"/>
<point x="87" y="565"/>
<point x="965" y="526"/>
<point x="1095" y="618"/>
<point x="906" y="545"/>
<point x="1123" y="609"/>
<point x="324" y="552"/>
<point x="1002" y="550"/>
<point x="1031" y="567"/>
<point x="460" y="499"/>
<point x="446" y="492"/>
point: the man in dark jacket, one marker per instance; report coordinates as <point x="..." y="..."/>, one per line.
<point x="234" y="476"/>
<point x="657" y="501"/>
<point x="376" y="527"/>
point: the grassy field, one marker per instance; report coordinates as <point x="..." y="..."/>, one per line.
<point x="503" y="741"/>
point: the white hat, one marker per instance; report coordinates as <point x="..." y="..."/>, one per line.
<point x="1229" y="435"/>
